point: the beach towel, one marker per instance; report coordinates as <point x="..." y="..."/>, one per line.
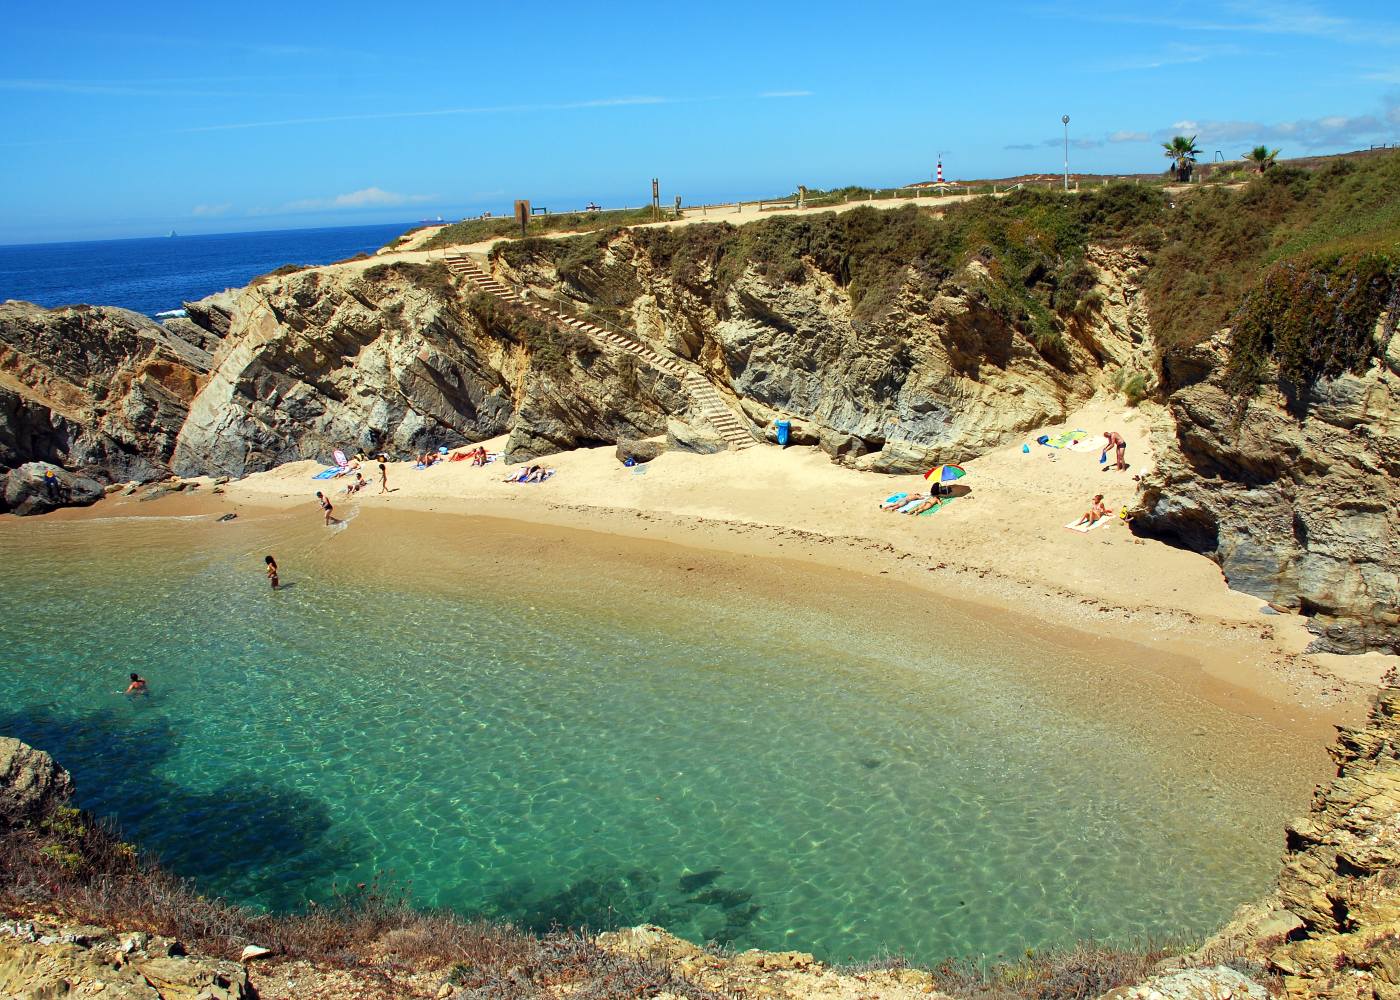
<point x="908" y="505"/>
<point x="520" y="477"/>
<point x="328" y="473"/>
<point x="894" y="500"/>
<point x="945" y="502"/>
<point x="1064" y="439"/>
<point x="1084" y="529"/>
<point x="1086" y="444"/>
<point x="639" y="470"/>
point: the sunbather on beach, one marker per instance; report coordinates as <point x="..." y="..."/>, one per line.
<point x="535" y="475"/>
<point x="928" y="503"/>
<point x="903" y="501"/>
<point x="1096" y="511"/>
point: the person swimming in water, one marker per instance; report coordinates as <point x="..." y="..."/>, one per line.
<point x="272" y="572"/>
<point x="137" y="685"/>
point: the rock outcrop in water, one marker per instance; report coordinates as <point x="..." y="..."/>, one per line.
<point x="99" y="391"/>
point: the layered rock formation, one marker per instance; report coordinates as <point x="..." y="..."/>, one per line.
<point x="1341" y="873"/>
<point x="936" y="374"/>
<point x="102" y="392"/>
<point x="400" y="357"/>
<point x="1299" y="510"/>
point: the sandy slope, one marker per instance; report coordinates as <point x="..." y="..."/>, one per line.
<point x="1002" y="547"/>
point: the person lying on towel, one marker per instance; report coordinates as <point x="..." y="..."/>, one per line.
<point x="927" y="504"/>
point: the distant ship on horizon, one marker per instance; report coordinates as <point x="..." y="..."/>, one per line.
<point x="174" y="233"/>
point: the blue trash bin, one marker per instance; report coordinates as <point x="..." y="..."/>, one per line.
<point x="784" y="431"/>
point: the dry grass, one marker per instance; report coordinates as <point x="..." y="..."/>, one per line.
<point x="1083" y="972"/>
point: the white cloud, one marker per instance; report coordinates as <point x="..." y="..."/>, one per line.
<point x="375" y="196"/>
<point x="370" y="197"/>
<point x="211" y="210"/>
<point x="1122" y="135"/>
<point x="1328" y="131"/>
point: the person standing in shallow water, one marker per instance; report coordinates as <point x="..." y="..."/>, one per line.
<point x="272" y="572"/>
<point x="325" y="503"/>
<point x="137" y="685"/>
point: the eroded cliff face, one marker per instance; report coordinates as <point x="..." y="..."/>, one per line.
<point x="929" y="376"/>
<point x="1300" y="510"/>
<point x="401" y="357"/>
<point x="97" y="390"/>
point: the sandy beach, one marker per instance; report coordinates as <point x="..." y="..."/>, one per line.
<point x="1001" y="549"/>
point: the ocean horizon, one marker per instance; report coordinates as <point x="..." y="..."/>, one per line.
<point x="155" y="274"/>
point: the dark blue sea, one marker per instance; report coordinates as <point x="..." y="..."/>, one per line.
<point x="156" y="275"/>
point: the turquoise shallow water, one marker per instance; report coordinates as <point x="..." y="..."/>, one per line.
<point x="544" y="727"/>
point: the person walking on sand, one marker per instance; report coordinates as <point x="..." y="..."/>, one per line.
<point x="272" y="572"/>
<point x="325" y="503"/>
<point x="383" y="473"/>
<point x="1115" y="441"/>
<point x="137" y="685"/>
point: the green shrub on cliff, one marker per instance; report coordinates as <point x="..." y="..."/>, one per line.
<point x="1029" y="250"/>
<point x="1218" y="244"/>
<point x="1312" y="318"/>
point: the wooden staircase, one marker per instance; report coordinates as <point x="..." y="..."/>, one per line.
<point x="735" y="432"/>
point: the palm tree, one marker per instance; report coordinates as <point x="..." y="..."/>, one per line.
<point x="1262" y="157"/>
<point x="1182" y="152"/>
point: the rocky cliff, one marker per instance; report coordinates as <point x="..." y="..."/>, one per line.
<point x="99" y="391"/>
<point x="1332" y="927"/>
<point x="1299" y="508"/>
<point x="400" y="357"/>
<point x="936" y="370"/>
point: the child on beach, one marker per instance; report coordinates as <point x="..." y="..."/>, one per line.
<point x="383" y="473"/>
<point x="272" y="571"/>
<point x="325" y="506"/>
<point x="137" y="685"/>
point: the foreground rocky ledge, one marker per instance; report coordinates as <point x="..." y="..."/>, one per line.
<point x="1331" y="929"/>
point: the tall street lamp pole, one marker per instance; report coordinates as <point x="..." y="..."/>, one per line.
<point x="1065" y="119"/>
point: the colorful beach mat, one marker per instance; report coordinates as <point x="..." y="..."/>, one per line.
<point x="1064" y="439"/>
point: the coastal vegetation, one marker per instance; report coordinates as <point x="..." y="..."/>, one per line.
<point x="1299" y="263"/>
<point x="1029" y="247"/>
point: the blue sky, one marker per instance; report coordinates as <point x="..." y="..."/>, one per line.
<point x="134" y="119"/>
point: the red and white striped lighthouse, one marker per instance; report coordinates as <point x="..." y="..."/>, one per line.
<point x="940" y="170"/>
